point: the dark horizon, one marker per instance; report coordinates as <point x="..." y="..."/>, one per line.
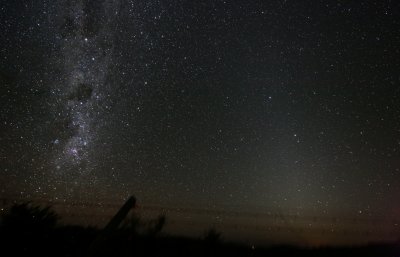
<point x="28" y="228"/>
<point x="260" y="229"/>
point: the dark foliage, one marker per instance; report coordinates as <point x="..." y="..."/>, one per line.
<point x="157" y="225"/>
<point x="29" y="218"/>
<point x="212" y="236"/>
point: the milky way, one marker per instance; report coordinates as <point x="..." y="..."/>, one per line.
<point x="86" y="37"/>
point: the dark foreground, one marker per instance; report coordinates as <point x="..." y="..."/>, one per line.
<point x="32" y="231"/>
<point x="74" y="241"/>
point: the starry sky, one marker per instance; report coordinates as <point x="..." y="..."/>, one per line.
<point x="289" y="106"/>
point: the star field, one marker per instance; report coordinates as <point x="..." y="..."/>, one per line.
<point x="288" y="106"/>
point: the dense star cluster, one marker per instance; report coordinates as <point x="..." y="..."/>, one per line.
<point x="289" y="106"/>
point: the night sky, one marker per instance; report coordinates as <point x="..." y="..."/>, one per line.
<point x="285" y="106"/>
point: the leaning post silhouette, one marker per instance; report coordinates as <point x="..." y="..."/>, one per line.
<point x="121" y="214"/>
<point x="112" y="225"/>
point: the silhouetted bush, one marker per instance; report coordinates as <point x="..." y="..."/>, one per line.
<point x="136" y="226"/>
<point x="28" y="229"/>
<point x="156" y="226"/>
<point x="212" y="236"/>
<point x="29" y="217"/>
<point x="133" y="224"/>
